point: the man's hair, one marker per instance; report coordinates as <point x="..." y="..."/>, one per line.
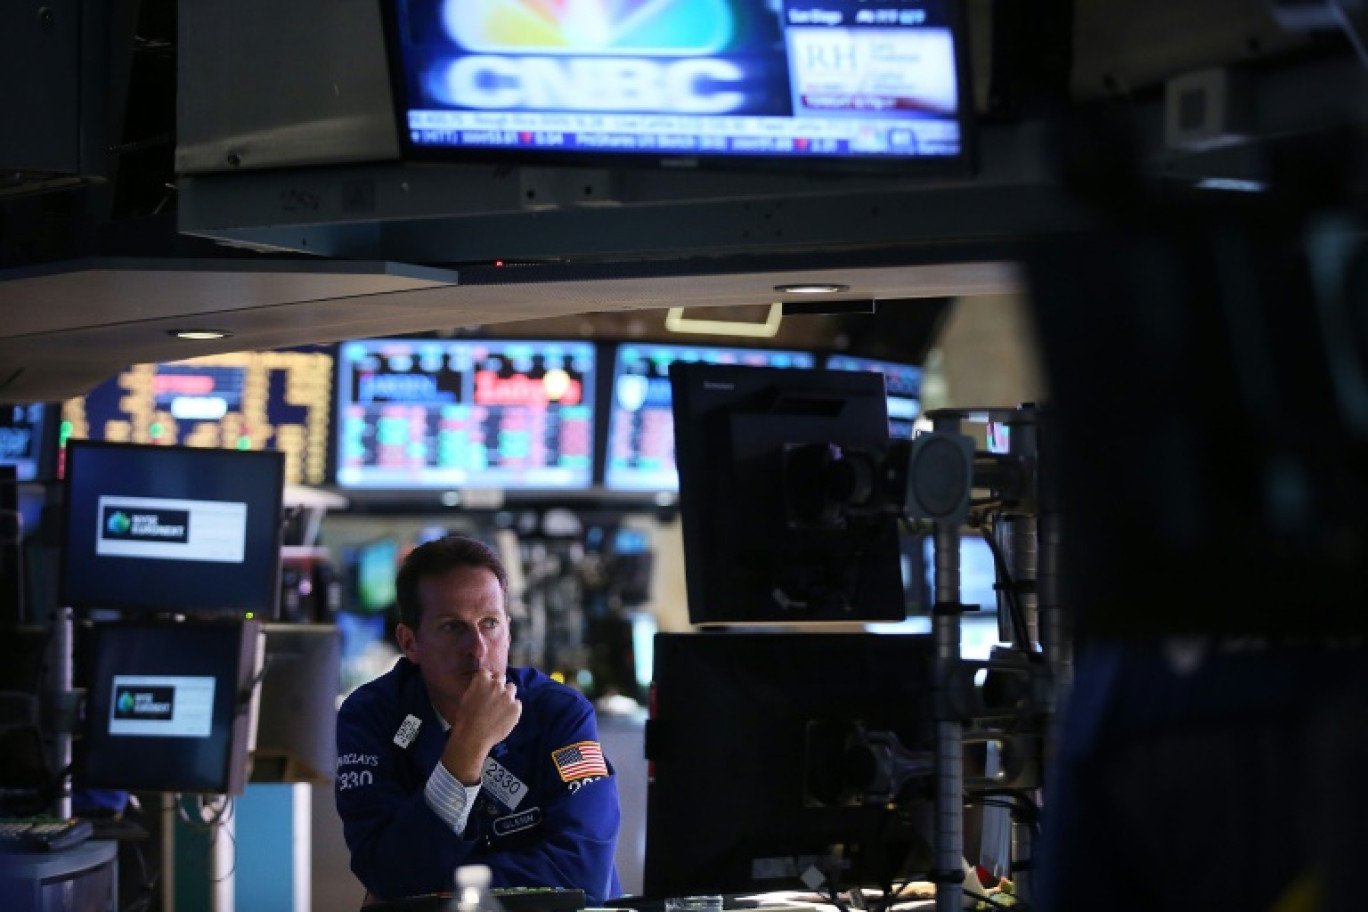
<point x="442" y="556"/>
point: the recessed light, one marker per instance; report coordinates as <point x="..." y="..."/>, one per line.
<point x="199" y="335"/>
<point x="812" y="288"/>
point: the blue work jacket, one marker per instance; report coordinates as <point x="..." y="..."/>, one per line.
<point x="542" y="818"/>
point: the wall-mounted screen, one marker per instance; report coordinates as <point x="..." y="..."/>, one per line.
<point x="439" y="413"/>
<point x="709" y="81"/>
<point x="903" y="382"/>
<point x="276" y="400"/>
<point x="640" y="422"/>
<point x="157" y="529"/>
<point x="24" y="441"/>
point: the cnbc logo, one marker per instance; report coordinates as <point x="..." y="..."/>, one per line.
<point x="118" y="523"/>
<point x="590" y="55"/>
<point x="654" y="27"/>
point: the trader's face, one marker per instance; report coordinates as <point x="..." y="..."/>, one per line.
<point x="462" y="632"/>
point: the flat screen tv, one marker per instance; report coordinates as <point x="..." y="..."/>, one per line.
<point x="168" y="708"/>
<point x="640" y="423"/>
<point x="172" y="530"/>
<point x="452" y="413"/>
<point x="844" y="83"/>
<point x="903" y="382"/>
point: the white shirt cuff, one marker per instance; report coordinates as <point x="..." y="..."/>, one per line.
<point x="449" y="798"/>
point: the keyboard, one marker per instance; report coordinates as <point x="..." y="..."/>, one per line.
<point x="513" y="899"/>
<point x="42" y="834"/>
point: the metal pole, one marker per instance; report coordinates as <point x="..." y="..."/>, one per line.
<point x="64" y="644"/>
<point x="945" y="627"/>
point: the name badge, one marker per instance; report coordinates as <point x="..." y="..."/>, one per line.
<point x="514" y="823"/>
<point x="408" y="730"/>
<point x="503" y="785"/>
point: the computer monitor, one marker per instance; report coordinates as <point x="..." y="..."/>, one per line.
<point x="755" y="772"/>
<point x="748" y="557"/>
<point x="152" y="529"/>
<point x="903" y="382"/>
<point x="297" y="723"/>
<point x="641" y="438"/>
<point x="168" y="706"/>
<point x="451" y="413"/>
<point x="709" y="83"/>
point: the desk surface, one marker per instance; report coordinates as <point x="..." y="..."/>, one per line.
<point x="41" y="865"/>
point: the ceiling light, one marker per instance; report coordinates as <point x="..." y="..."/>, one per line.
<point x="199" y="335"/>
<point x="812" y="288"/>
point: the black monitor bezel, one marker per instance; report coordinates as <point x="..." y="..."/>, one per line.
<point x="962" y="165"/>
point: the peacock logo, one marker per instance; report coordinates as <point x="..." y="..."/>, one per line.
<point x="118" y="523"/>
<point x="674" y="28"/>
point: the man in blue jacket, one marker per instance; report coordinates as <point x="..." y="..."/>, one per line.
<point x="453" y="758"/>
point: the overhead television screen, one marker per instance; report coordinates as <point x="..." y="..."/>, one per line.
<point x="640" y="422"/>
<point x="158" y="529"/>
<point x="686" y="82"/>
<point x="903" y="382"/>
<point x="439" y="413"/>
<point x="273" y="400"/>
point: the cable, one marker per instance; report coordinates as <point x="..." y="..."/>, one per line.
<point x="1019" y="630"/>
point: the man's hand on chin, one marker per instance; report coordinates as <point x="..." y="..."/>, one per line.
<point x="489" y="711"/>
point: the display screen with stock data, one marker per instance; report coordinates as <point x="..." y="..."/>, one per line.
<point x="641" y="425"/>
<point x="275" y="400"/>
<point x="427" y="413"/>
<point x="806" y="80"/>
<point x="903" y="382"/>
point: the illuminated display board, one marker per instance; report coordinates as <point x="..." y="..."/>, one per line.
<point x="424" y="413"/>
<point x="903" y="382"/>
<point x="641" y="424"/>
<point x="680" y="79"/>
<point x="244" y="400"/>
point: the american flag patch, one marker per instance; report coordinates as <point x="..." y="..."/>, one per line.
<point x="579" y="761"/>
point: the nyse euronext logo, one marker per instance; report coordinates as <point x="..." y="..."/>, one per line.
<point x="125" y="702"/>
<point x="118" y="523"/>
<point x="653" y="27"/>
